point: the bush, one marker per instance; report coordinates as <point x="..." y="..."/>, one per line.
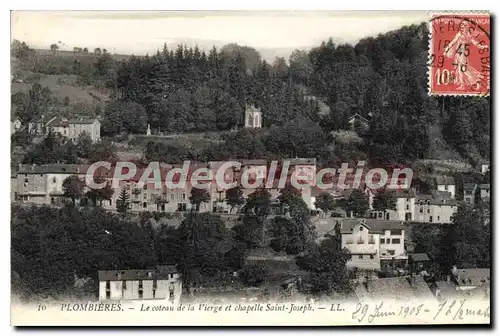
<point x="253" y="275"/>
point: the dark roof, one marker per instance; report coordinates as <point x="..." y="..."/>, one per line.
<point x="445" y="180"/>
<point x="449" y="291"/>
<point x="52" y="168"/>
<point x="302" y="161"/>
<point x="254" y="162"/>
<point x="405" y="193"/>
<point x="43" y="119"/>
<point x="82" y="121"/>
<point x="160" y="273"/>
<point x="437" y="198"/>
<point x="357" y="115"/>
<point x="418" y="257"/>
<point x="374" y="225"/>
<point x="58" y="122"/>
<point x="472" y="276"/>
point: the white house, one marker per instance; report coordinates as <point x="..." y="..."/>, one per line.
<point x="90" y="126"/>
<point x="446" y="183"/>
<point x="372" y="242"/>
<point x="162" y="283"/>
<point x="437" y="207"/>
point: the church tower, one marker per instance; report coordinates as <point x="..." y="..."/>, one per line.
<point x="253" y="117"/>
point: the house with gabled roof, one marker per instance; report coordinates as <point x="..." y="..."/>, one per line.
<point x="373" y="243"/>
<point x="91" y="126"/>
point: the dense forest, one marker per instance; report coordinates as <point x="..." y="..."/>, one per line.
<point x="382" y="78"/>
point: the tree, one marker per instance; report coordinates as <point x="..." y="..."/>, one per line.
<point x="234" y="197"/>
<point x="100" y="194"/>
<point x="325" y="202"/>
<point x="54" y="47"/>
<point x="73" y="187"/>
<point x="123" y="202"/>
<point x="97" y="51"/>
<point x="356" y="203"/>
<point x="198" y="196"/>
<point x="103" y="151"/>
<point x="254" y="275"/>
<point x="84" y="144"/>
<point x="248" y="230"/>
<point x="85" y="50"/>
<point x="66" y="101"/>
<point x="258" y="204"/>
<point x="288" y="192"/>
<point x="205" y="240"/>
<point x="384" y="201"/>
<point x="326" y="265"/>
<point x="293" y="233"/>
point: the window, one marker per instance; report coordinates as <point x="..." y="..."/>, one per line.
<point x="140" y="289"/>
<point x="144" y="204"/>
<point x="445" y="187"/>
<point x="430" y="219"/>
<point x="150" y="274"/>
<point x="171" y="293"/>
<point x="391" y="252"/>
<point x="396" y="241"/>
<point x="124" y="285"/>
<point x="145" y="187"/>
<point x="387" y="241"/>
<point x="421" y="210"/>
<point x="360" y="256"/>
<point x="183" y="196"/>
<point x="407" y="207"/>
<point x="428" y="210"/>
<point x="108" y="285"/>
<point x="382" y="241"/>
<point x="372" y="256"/>
<point x="360" y="228"/>
<point x="379" y="215"/>
<point x="155" y="286"/>
<point x="438" y="217"/>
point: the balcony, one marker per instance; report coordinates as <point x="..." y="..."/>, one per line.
<point x="348" y="242"/>
<point x="361" y="241"/>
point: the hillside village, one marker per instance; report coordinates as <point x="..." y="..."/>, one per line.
<point x="429" y="239"/>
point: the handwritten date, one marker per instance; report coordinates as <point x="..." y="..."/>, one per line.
<point x="372" y="312"/>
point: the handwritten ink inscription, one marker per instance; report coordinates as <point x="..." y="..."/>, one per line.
<point x="455" y="310"/>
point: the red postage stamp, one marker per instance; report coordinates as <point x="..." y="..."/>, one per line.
<point x="459" y="54"/>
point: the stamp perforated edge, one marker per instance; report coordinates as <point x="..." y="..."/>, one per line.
<point x="431" y="15"/>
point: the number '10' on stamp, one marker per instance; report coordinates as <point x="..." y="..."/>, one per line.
<point x="459" y="54"/>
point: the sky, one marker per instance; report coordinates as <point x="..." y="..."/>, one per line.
<point x="141" y="32"/>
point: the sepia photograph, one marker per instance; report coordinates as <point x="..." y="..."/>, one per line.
<point x="250" y="168"/>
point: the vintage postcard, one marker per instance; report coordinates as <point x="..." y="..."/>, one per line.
<point x="250" y="168"/>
